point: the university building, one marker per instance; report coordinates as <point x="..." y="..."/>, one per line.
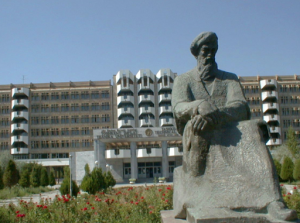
<point x="135" y="135"/>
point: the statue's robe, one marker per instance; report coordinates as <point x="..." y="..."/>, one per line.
<point x="228" y="166"/>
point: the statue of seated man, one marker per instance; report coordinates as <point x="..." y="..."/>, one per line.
<point x="227" y="171"/>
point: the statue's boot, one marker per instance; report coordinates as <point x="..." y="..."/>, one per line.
<point x="278" y="210"/>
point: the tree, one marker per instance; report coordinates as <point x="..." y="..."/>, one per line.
<point x="5" y="156"/>
<point x="87" y="169"/>
<point x="292" y="142"/>
<point x="65" y="186"/>
<point x="52" y="179"/>
<point x="93" y="182"/>
<point x="44" y="181"/>
<point x="86" y="181"/>
<point x="296" y="172"/>
<point x="25" y="178"/>
<point x="287" y="169"/>
<point x="34" y="177"/>
<point x="109" y="180"/>
<point x="11" y="174"/>
<point x="1" y="179"/>
<point x="278" y="168"/>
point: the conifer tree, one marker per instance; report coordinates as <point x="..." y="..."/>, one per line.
<point x="35" y="177"/>
<point x="52" y="179"/>
<point x="86" y="181"/>
<point x="296" y="172"/>
<point x="1" y="179"/>
<point x="11" y="174"/>
<point x="109" y="180"/>
<point x="287" y="169"/>
<point x="44" y="177"/>
<point x="278" y="168"/>
<point x="25" y="178"/>
<point x="65" y="186"/>
<point x="292" y="142"/>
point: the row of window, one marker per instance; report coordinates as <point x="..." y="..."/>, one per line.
<point x="289" y="88"/>
<point x="73" y="119"/>
<point x="4" y="146"/>
<point x="290" y="111"/>
<point x="61" y="131"/>
<point x="61" y="144"/>
<point x="294" y="123"/>
<point x="290" y="99"/>
<point x="70" y="107"/>
<point x="4" y="134"/>
<point x="69" y="95"/>
<point x="47" y="155"/>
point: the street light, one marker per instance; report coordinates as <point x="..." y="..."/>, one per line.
<point x="96" y="163"/>
<point x="70" y="164"/>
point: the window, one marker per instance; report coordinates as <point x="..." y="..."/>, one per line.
<point x="34" y="120"/>
<point x="54" y="120"/>
<point x="5" y="122"/>
<point x="44" y="120"/>
<point x="105" y="118"/>
<point x="85" y="107"/>
<point x="75" y="131"/>
<point x="35" y="97"/>
<point x="4" y="134"/>
<point x="35" y="108"/>
<point x="285" y="111"/>
<point x="75" y="143"/>
<point x="45" y="108"/>
<point x="45" y="96"/>
<point x="85" y="119"/>
<point x="45" y="132"/>
<point x="54" y="96"/>
<point x="5" y="98"/>
<point x="35" y="144"/>
<point x="105" y="106"/>
<point x="284" y="99"/>
<point x="74" y="95"/>
<point x="85" y="95"/>
<point x="35" y="132"/>
<point x="95" y="119"/>
<point x="85" y="131"/>
<point x="64" y="107"/>
<point x="65" y="131"/>
<point x="45" y="144"/>
<point x="105" y="94"/>
<point x="95" y="107"/>
<point x="65" y="144"/>
<point x="65" y="95"/>
<point x="55" y="132"/>
<point x="54" y="108"/>
<point x="95" y="94"/>
<point x="64" y="119"/>
<point x="54" y="144"/>
<point x="74" y="107"/>
<point x="85" y="143"/>
<point x="75" y="119"/>
<point x="5" y="110"/>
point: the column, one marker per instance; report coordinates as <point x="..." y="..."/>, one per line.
<point x="165" y="161"/>
<point x="134" y="169"/>
<point x="99" y="150"/>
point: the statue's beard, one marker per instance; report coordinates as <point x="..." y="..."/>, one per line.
<point x="207" y="68"/>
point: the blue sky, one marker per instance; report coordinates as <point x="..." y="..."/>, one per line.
<point x="72" y="40"/>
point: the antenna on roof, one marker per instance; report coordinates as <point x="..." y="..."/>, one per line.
<point x="23" y="79"/>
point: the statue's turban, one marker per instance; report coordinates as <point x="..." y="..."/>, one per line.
<point x="201" y="39"/>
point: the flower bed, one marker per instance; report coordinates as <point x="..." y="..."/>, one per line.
<point x="133" y="204"/>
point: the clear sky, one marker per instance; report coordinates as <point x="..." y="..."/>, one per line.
<point x="82" y="40"/>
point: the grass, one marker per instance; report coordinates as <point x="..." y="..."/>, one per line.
<point x="18" y="191"/>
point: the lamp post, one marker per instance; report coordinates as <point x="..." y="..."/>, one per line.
<point x="70" y="174"/>
<point x="96" y="163"/>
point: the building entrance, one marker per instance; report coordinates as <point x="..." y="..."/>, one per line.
<point x="149" y="170"/>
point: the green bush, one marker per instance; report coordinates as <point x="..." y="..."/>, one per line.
<point x="94" y="182"/>
<point x="51" y="179"/>
<point x="25" y="178"/>
<point x="35" y="177"/>
<point x="44" y="177"/>
<point x="65" y="186"/>
<point x="278" y="168"/>
<point x="109" y="180"/>
<point x="11" y="174"/>
<point x="1" y="179"/>
<point x="296" y="172"/>
<point x="287" y="169"/>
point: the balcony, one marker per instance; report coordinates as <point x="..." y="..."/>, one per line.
<point x="164" y="109"/>
<point x="275" y="130"/>
<point x="123" y="153"/>
<point x="21" y="138"/>
<point x="15" y="151"/>
<point x="19" y="115"/>
<point x="271" y="119"/>
<point x="146" y="98"/>
<point x="165" y="72"/>
<point x="164" y="97"/>
<point x="126" y="124"/>
<point x="274" y="142"/>
<point x="124" y="73"/>
<point x="147" y="123"/>
<point x="270" y="106"/>
<point x="167" y="122"/>
<point x="269" y="95"/>
<point x="19" y="127"/>
<point x="125" y="99"/>
<point x="268" y="84"/>
<point x="125" y="111"/>
<point x="148" y="110"/>
<point x="129" y="87"/>
<point x="149" y="86"/>
<point x="167" y="86"/>
<point x="20" y="92"/>
<point x="155" y="152"/>
<point x="174" y="151"/>
<point x="19" y="103"/>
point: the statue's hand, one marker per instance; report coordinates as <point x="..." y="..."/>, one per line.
<point x="208" y="111"/>
<point x="201" y="123"/>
